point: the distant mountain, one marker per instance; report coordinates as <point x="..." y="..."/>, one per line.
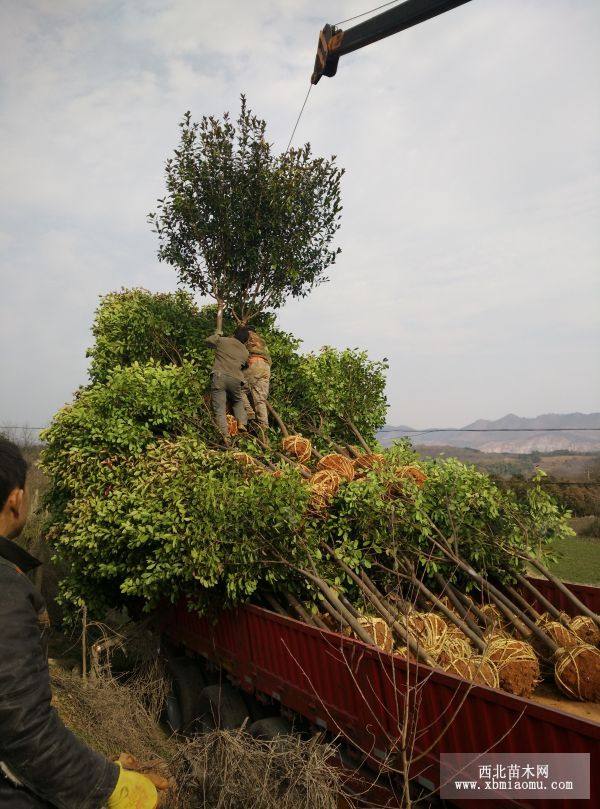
<point x="511" y="434"/>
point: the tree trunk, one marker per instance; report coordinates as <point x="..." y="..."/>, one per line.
<point x="541" y="599"/>
<point x="359" y="437"/>
<point x="565" y="590"/>
<point x="280" y="423"/>
<point x="220" y="308"/>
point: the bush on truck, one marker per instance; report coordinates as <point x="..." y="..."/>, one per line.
<point x="145" y="506"/>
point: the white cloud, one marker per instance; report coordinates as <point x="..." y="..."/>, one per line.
<point x="471" y="199"/>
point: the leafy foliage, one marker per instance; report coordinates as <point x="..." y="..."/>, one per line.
<point x="242" y="224"/>
<point x="143" y="506"/>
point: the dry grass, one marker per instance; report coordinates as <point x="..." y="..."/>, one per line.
<point x="217" y="770"/>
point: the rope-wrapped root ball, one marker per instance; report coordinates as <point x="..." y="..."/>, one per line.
<point x="232" y="425"/>
<point x="453" y="647"/>
<point x="476" y="669"/>
<point x="298" y="446"/>
<point x="586" y="629"/>
<point x="251" y="467"/>
<point x="517" y="664"/>
<point x="493" y="615"/>
<point x="377" y="629"/>
<point x="324" y="485"/>
<point x="429" y="631"/>
<point x="365" y="463"/>
<point x="338" y="463"/>
<point x="404" y="474"/>
<point x="326" y="481"/>
<point x="577" y="672"/>
<point x="563" y="637"/>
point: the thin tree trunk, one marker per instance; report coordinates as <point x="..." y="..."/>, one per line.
<point x="359" y="437"/>
<point x="565" y="590"/>
<point x="539" y="597"/>
<point x="508" y="611"/>
<point x="275" y="605"/>
<point x="302" y="612"/>
<point x="278" y="419"/>
<point x="462" y="610"/>
<point x="469" y="570"/>
<point x="522" y="602"/>
<point x="469" y="604"/>
<point x="386" y="615"/>
<point x="220" y="308"/>
<point x="335" y="602"/>
<point x="458" y="622"/>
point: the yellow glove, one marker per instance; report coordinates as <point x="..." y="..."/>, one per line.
<point x="133" y="791"/>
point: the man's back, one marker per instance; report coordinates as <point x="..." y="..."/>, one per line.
<point x="230" y="355"/>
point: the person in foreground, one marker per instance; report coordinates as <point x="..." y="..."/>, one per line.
<point x="42" y="764"/>
<point x="227" y="378"/>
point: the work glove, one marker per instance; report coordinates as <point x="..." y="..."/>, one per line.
<point x="135" y="790"/>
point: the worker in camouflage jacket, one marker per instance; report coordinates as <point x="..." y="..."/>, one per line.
<point x="257" y="377"/>
<point x="42" y="764"/>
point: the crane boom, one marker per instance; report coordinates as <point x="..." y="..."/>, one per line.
<point x="334" y="42"/>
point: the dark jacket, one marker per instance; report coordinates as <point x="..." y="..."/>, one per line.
<point x="230" y="355"/>
<point x="53" y="766"/>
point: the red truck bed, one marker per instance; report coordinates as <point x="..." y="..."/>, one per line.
<point x="343" y="685"/>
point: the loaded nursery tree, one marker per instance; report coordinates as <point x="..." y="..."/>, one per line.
<point x="242" y="224"/>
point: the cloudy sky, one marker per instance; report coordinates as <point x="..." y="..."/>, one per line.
<point x="470" y="240"/>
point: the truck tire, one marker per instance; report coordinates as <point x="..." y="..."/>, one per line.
<point x="184" y="706"/>
<point x="270" y="728"/>
<point x="222" y="707"/>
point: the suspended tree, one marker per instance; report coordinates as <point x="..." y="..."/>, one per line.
<point x="242" y="224"/>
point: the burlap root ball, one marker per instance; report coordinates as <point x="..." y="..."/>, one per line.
<point x="429" y="630"/>
<point x="452" y="648"/>
<point x="493" y="614"/>
<point x="577" y="672"/>
<point x="232" y="425"/>
<point x="404" y="651"/>
<point x="364" y="463"/>
<point x="337" y="463"/>
<point x="517" y="664"/>
<point x="403" y="475"/>
<point x="378" y="630"/>
<point x="324" y="485"/>
<point x="412" y="472"/>
<point x="325" y="482"/>
<point x="251" y="467"/>
<point x="563" y="637"/>
<point x="298" y="446"/>
<point x="586" y="629"/>
<point x="449" y="606"/>
<point x="476" y="668"/>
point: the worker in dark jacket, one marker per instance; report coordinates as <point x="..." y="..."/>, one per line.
<point x="231" y="355"/>
<point x="42" y="764"/>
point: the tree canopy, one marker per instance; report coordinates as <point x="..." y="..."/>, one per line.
<point x="242" y="224"/>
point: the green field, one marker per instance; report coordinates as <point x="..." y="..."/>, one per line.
<point x="580" y="560"/>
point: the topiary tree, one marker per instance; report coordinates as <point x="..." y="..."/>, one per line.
<point x="242" y="224"/>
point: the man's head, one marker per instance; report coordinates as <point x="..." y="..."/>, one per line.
<point x="241" y="333"/>
<point x="13" y="491"/>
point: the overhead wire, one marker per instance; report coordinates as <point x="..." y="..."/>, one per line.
<point x="489" y="430"/>
<point x="365" y="13"/>
<point x="299" y="117"/>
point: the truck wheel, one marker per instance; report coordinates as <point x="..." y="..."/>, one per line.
<point x="270" y="728"/>
<point x="222" y="707"/>
<point x="183" y="701"/>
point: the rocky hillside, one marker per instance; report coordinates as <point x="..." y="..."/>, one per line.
<point x="574" y="432"/>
